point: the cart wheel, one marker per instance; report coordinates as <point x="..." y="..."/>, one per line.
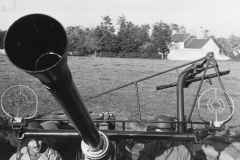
<point x="19" y="102"/>
<point x="215" y="106"/>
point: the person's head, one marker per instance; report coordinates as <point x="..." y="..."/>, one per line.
<point x="164" y="127"/>
<point x="35" y="146"/>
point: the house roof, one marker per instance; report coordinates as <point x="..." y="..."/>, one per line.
<point x="196" y="43"/>
<point x="180" y="37"/>
<point x="236" y="48"/>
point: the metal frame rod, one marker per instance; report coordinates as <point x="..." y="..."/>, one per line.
<point x="113" y="134"/>
<point x="137" y="98"/>
<point x="220" y="81"/>
<point x="125" y="121"/>
<point x="180" y="98"/>
<point x="209" y="76"/>
<point x="199" y="88"/>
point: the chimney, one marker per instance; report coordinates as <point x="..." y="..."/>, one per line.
<point x="192" y="32"/>
<point x="174" y="32"/>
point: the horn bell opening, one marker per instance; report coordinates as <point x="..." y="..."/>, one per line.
<point x="35" y="42"/>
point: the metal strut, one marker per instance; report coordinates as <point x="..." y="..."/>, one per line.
<point x="210" y="60"/>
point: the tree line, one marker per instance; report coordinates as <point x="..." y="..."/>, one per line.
<point x="2" y="35"/>
<point x="129" y="40"/>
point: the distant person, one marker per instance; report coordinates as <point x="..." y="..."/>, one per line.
<point x="36" y="149"/>
<point x="164" y="149"/>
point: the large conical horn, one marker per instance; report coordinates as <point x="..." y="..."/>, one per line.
<point x="33" y="36"/>
<point x="37" y="44"/>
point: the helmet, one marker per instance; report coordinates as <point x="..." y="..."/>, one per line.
<point x="163" y="127"/>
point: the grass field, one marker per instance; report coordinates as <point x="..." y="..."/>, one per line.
<point x="93" y="75"/>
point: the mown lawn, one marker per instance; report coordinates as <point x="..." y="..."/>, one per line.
<point x="93" y="75"/>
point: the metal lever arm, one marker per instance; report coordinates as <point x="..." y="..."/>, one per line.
<point x="209" y="76"/>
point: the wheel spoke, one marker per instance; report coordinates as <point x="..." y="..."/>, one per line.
<point x="215" y="93"/>
<point x="216" y="115"/>
<point x="20" y="89"/>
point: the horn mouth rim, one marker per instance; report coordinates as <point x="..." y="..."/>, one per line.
<point x="43" y="56"/>
<point x="10" y="53"/>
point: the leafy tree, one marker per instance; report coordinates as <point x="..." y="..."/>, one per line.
<point x="161" y="37"/>
<point x="91" y="41"/>
<point x="77" y="40"/>
<point x="225" y="46"/>
<point x="179" y="29"/>
<point x="106" y="39"/>
<point x="2" y="35"/>
<point x="174" y="27"/>
<point x="127" y="35"/>
<point x="142" y="35"/>
<point x="234" y="40"/>
<point x="182" y="29"/>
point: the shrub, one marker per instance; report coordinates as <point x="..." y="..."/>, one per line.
<point x="107" y="54"/>
<point x="132" y="55"/>
<point x="237" y="57"/>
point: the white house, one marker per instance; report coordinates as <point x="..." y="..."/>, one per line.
<point x="236" y="50"/>
<point x="188" y="47"/>
<point x="2" y="51"/>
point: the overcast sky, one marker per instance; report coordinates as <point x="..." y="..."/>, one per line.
<point x="220" y="17"/>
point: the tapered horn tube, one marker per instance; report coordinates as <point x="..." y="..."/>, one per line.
<point x="37" y="44"/>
